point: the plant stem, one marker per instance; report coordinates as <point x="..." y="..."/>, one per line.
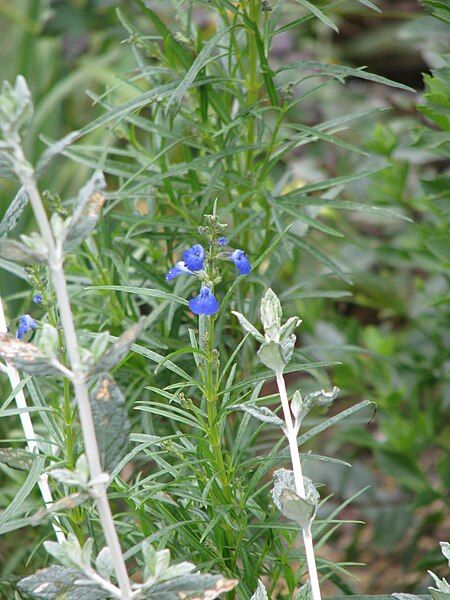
<point x="55" y="262"/>
<point x="299" y="485"/>
<point x="252" y="85"/>
<point x="28" y="429"/>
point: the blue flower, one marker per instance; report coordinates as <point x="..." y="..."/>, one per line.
<point x="178" y="269"/>
<point x="26" y="323"/>
<point x="241" y="261"/>
<point x="37" y="298"/>
<point x="194" y="257"/>
<point x="205" y="303"/>
<point x="222" y="241"/>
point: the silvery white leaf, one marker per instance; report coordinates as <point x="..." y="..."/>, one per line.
<point x="47" y="339"/>
<point x="270" y="354"/>
<point x="271" y="312"/>
<point x="287" y="347"/>
<point x="118" y="350"/>
<point x="445" y="548"/>
<point x="17" y="458"/>
<point x="261" y="593"/>
<point x="195" y="586"/>
<point x="53" y="150"/>
<point x="86" y="212"/>
<point x="289" y="327"/>
<point x="296" y="508"/>
<point x="311" y="493"/>
<point x="16" y="107"/>
<point x="18" y="252"/>
<point x="27" y="357"/>
<point x="305" y="592"/>
<point x="103" y="563"/>
<point x="322" y="398"/>
<point x="248" y="327"/>
<point x="14" y="212"/>
<point x="55" y="583"/>
<point x="262" y="413"/>
<point x="282" y="479"/>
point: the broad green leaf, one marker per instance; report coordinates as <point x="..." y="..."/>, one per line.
<point x="110" y="420"/>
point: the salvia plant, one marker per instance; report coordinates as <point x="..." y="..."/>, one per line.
<point x="210" y="211"/>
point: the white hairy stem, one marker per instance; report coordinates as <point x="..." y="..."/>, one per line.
<point x="291" y="435"/>
<point x="28" y="430"/>
<point x="55" y="262"/>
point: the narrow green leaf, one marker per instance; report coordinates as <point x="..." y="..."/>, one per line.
<point x="318" y="13"/>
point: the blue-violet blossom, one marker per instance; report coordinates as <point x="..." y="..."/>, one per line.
<point x="194" y="257"/>
<point x="222" y="241"/>
<point x="26" y="323"/>
<point x="178" y="269"/>
<point x="241" y="261"/>
<point x="37" y="299"/>
<point x="205" y="303"/>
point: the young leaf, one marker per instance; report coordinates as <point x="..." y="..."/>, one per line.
<point x="297" y="509"/>
<point x="271" y="312"/>
<point x="282" y="479"/>
<point x="28" y="358"/>
<point x="261" y="593"/>
<point x="248" y="327"/>
<point x="17" y="458"/>
<point x="118" y="350"/>
<point x="262" y="413"/>
<point x="56" y="583"/>
<point x="272" y="357"/>
<point x="110" y="420"/>
<point x="19" y="252"/>
<point x="86" y="213"/>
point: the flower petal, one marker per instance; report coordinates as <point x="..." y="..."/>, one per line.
<point x="205" y="303"/>
<point x="194" y="257"/>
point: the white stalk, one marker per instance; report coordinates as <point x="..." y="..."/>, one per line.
<point x="291" y="435"/>
<point x="28" y="430"/>
<point x="55" y="262"/>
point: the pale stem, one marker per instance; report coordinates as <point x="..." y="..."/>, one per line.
<point x="299" y="485"/>
<point x="29" y="432"/>
<point x="55" y="261"/>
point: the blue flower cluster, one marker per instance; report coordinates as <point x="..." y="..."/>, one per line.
<point x="26" y="324"/>
<point x="192" y="264"/>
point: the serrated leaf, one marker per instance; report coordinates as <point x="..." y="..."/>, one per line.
<point x="118" y="351"/>
<point x="17" y="458"/>
<point x="191" y="587"/>
<point x="248" y="327"/>
<point x="111" y="421"/>
<point x="297" y="509"/>
<point x="18" y="252"/>
<point x="261" y="593"/>
<point x="262" y="413"/>
<point x="58" y="583"/>
<point x="27" y="357"/>
<point x="86" y="212"/>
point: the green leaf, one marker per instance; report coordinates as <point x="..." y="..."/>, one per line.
<point x="145" y="293"/>
<point x="110" y="420"/>
<point x="23" y="493"/>
<point x="86" y="212"/>
<point x="297" y="509"/>
<point x="262" y="413"/>
<point x="196" y="67"/>
<point x="341" y="71"/>
<point x="17" y="458"/>
<point x="318" y="13"/>
<point x="58" y="583"/>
